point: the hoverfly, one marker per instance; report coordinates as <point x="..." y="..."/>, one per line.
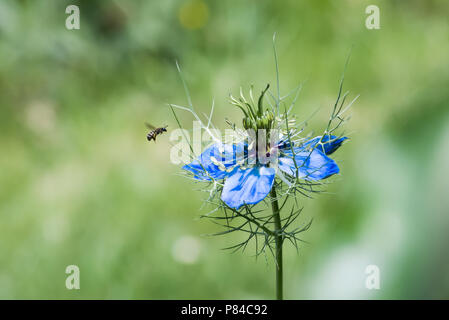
<point x="154" y="131"/>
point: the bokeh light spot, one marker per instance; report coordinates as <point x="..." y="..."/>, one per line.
<point x="186" y="249"/>
<point x="194" y="14"/>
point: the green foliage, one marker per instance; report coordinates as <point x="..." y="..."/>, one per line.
<point x="81" y="185"/>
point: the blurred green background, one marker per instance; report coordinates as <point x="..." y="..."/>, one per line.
<point x="79" y="183"/>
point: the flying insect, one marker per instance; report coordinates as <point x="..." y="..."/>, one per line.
<point x="154" y="131"/>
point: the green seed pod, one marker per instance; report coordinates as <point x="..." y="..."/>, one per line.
<point x="266" y="123"/>
<point x="246" y="123"/>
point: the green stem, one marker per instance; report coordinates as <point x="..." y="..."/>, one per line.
<point x="278" y="242"/>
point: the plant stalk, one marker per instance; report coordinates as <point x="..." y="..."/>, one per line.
<point x="278" y="243"/>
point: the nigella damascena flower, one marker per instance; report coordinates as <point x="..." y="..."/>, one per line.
<point x="250" y="184"/>
<point x="247" y="178"/>
<point x="266" y="159"/>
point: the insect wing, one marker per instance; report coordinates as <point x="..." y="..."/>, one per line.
<point x="149" y="126"/>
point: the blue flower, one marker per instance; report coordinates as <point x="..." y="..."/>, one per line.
<point x="246" y="185"/>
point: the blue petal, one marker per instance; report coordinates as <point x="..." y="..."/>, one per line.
<point x="328" y="145"/>
<point x="216" y="161"/>
<point x="312" y="165"/>
<point x="204" y="172"/>
<point x="247" y="186"/>
<point x="284" y="144"/>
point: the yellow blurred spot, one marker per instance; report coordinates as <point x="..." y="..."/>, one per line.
<point x="193" y="14"/>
